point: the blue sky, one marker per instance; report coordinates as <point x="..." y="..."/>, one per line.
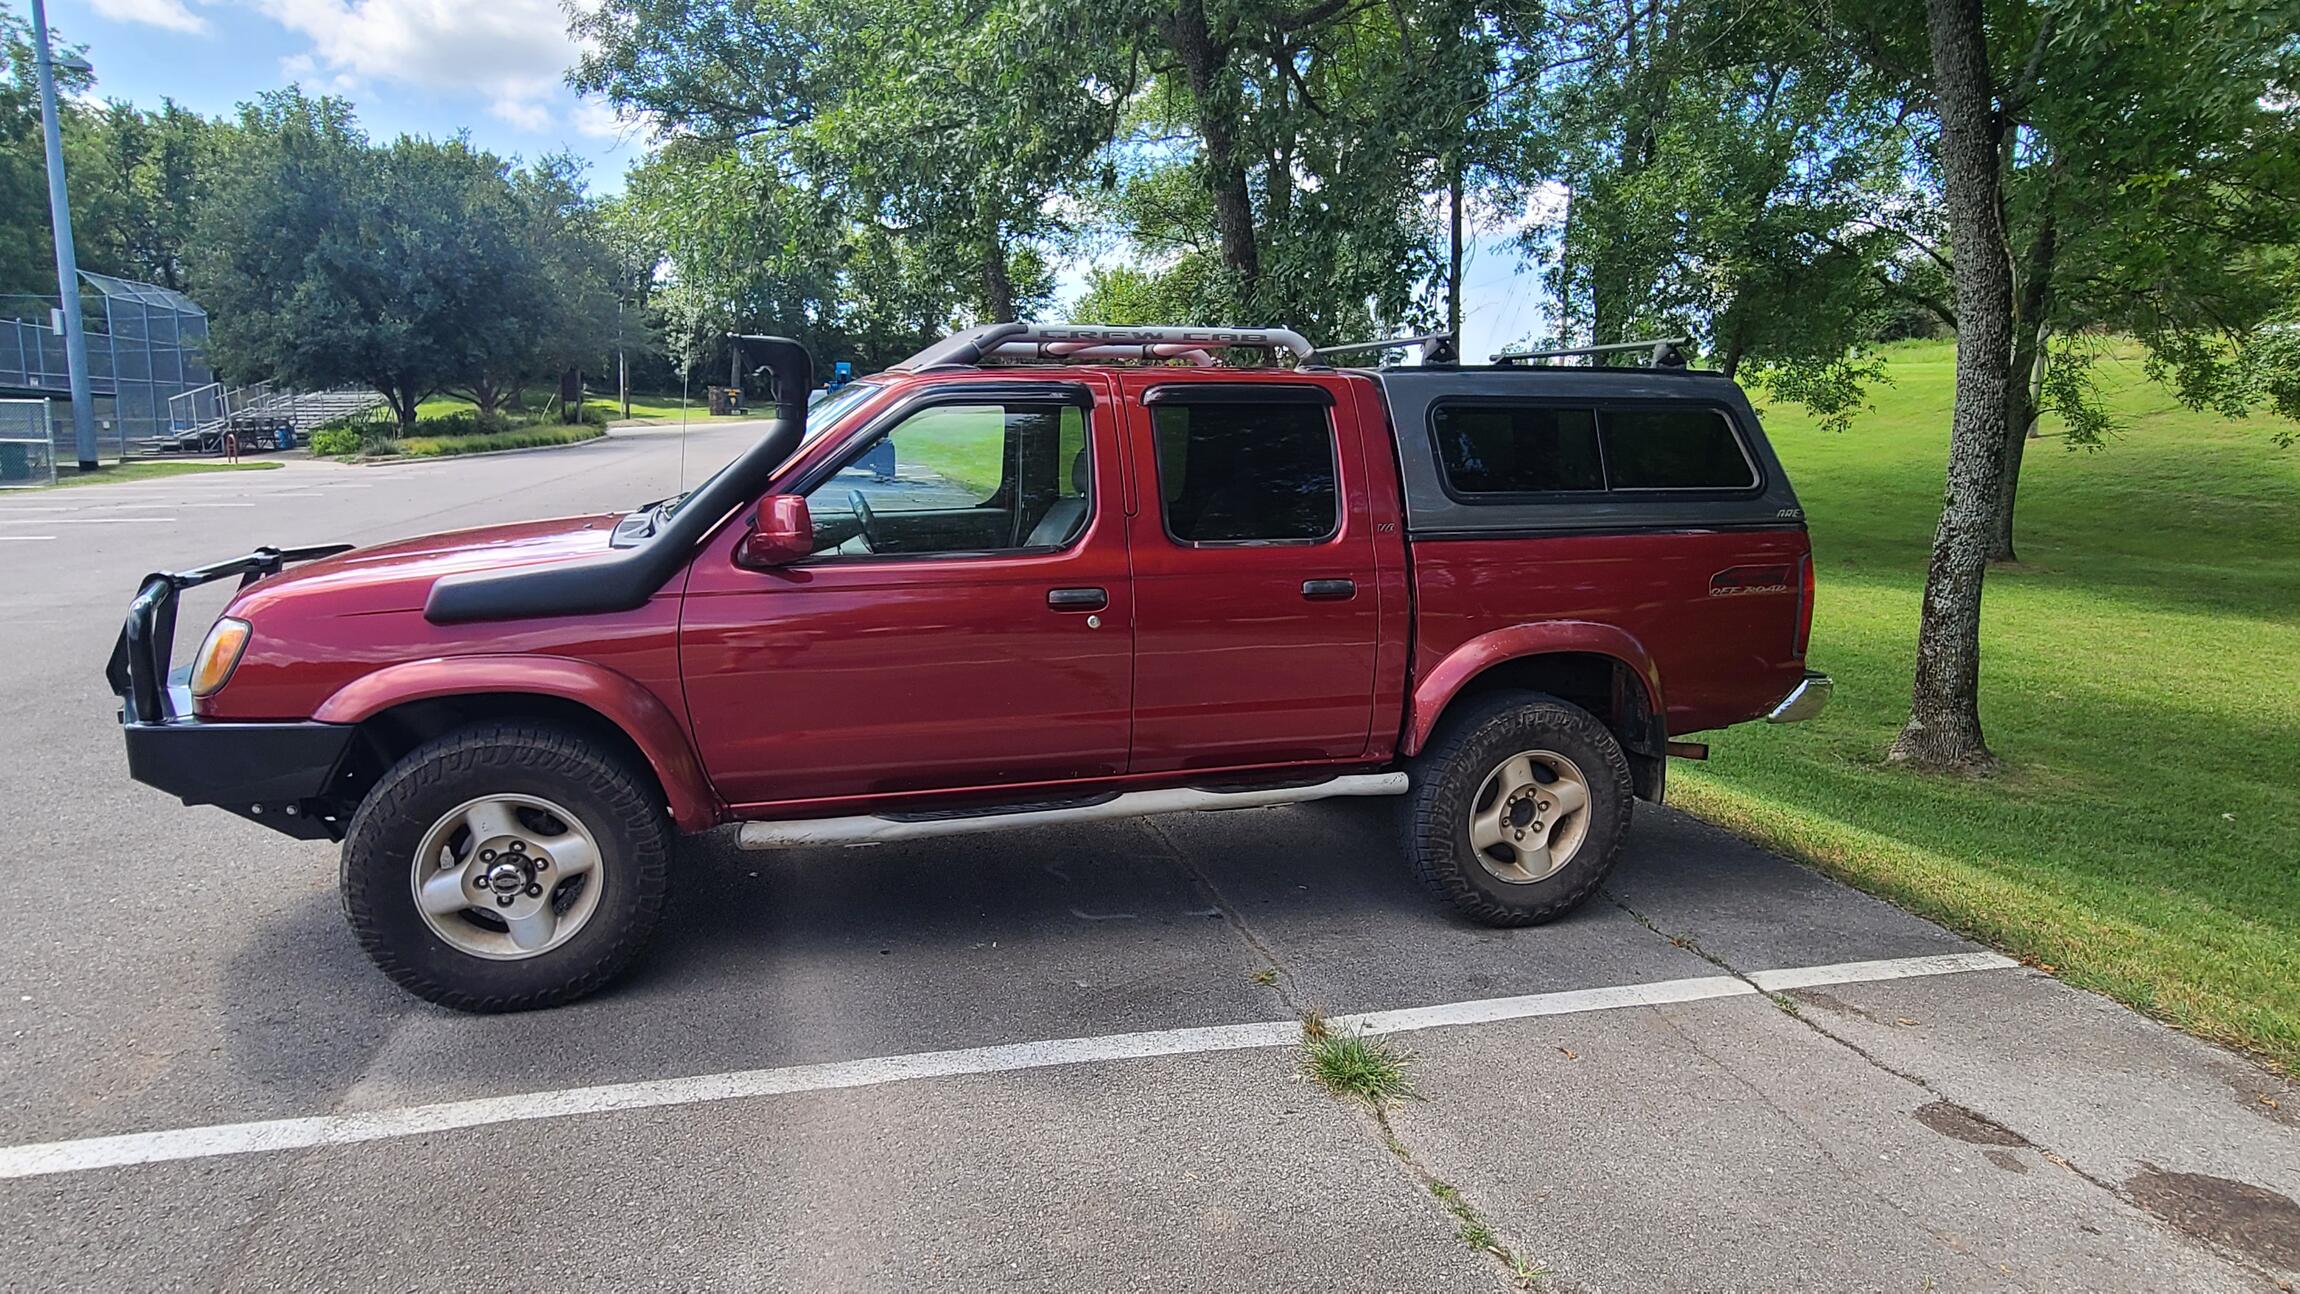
<point x="493" y="67"/>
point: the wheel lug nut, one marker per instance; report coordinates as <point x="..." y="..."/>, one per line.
<point x="487" y="855"/>
<point x="503" y="900"/>
<point x="541" y="862"/>
<point x="519" y="846"/>
<point x="533" y="890"/>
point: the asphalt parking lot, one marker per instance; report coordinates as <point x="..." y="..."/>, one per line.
<point x="1057" y="1059"/>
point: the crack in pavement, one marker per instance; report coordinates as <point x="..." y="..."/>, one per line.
<point x="1788" y="1007"/>
<point x="1426" y="1185"/>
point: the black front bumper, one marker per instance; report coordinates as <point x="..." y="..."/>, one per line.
<point x="277" y="774"/>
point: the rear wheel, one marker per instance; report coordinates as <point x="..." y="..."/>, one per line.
<point x="506" y="866"/>
<point x="1518" y="809"/>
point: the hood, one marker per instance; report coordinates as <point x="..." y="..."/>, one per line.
<point x="397" y="576"/>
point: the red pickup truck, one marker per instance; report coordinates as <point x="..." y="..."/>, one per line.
<point x="1033" y="574"/>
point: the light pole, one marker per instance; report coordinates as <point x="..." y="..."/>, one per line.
<point x="67" y="264"/>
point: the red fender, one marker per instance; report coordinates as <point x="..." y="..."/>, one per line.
<point x="614" y="697"/>
<point x="1481" y="653"/>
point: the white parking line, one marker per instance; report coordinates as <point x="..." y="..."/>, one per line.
<point x="76" y="521"/>
<point x="129" y="503"/>
<point x="1775" y="981"/>
<point x="25" y="538"/>
<point x="46" y="1158"/>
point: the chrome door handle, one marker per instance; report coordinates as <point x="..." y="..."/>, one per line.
<point x="1329" y="590"/>
<point x="1077" y="599"/>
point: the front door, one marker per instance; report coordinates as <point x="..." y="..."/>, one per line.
<point x="1256" y="611"/>
<point x="963" y="623"/>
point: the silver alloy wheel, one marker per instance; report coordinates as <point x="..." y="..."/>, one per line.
<point x="507" y="877"/>
<point x="1529" y="817"/>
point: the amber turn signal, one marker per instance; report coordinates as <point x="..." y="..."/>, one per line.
<point x="219" y="655"/>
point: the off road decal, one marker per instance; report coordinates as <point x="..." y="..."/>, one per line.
<point x="1740" y="581"/>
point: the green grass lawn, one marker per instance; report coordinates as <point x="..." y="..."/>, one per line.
<point x="2140" y="677"/>
<point x="145" y="470"/>
<point x="660" y="407"/>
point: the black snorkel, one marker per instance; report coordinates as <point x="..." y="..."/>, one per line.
<point x="623" y="578"/>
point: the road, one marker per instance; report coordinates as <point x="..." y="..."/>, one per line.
<point x="1058" y="1059"/>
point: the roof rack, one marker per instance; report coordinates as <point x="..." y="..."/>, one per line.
<point x="1437" y="347"/>
<point x="1665" y="352"/>
<point x="1094" y="342"/>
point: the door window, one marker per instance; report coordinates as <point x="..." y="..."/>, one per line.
<point x="1246" y="473"/>
<point x="961" y="478"/>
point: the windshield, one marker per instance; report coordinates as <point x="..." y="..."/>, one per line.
<point x="825" y="411"/>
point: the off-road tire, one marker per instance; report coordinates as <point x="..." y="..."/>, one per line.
<point x="1448" y="773"/>
<point x="618" y="806"/>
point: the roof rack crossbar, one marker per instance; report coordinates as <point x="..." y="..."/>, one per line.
<point x="1666" y="351"/>
<point x="1088" y="341"/>
<point x="1429" y="342"/>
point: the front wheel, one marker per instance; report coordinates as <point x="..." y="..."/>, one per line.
<point x="1518" y="809"/>
<point x="506" y="866"/>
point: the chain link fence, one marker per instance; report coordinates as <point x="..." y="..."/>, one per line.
<point x="146" y="344"/>
<point x="27" y="444"/>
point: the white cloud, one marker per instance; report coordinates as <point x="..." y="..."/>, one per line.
<point x="512" y="54"/>
<point x="171" y="14"/>
<point x="602" y="120"/>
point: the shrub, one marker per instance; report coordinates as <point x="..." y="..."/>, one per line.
<point x="534" y="437"/>
<point x="463" y="422"/>
<point x="330" y="442"/>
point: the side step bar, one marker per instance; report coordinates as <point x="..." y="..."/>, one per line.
<point x="803" y="832"/>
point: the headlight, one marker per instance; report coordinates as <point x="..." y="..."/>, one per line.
<point x="219" y="654"/>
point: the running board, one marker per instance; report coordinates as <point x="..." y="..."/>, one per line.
<point x="801" y="832"/>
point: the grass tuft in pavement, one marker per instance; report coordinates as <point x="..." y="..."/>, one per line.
<point x="2140" y="682"/>
<point x="1352" y="1066"/>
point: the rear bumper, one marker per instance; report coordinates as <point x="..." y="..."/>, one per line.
<point x="1809" y="698"/>
<point x="276" y="774"/>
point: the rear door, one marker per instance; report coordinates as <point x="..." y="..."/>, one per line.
<point x="1256" y="612"/>
<point x="962" y="624"/>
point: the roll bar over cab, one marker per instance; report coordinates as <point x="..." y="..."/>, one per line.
<point x="1032" y="574"/>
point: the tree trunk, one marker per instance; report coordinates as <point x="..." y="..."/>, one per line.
<point x="1203" y="68"/>
<point x="487" y="396"/>
<point x="1944" y="728"/>
<point x="997" y="287"/>
<point x="2021" y="406"/>
<point x="2028" y="362"/>
<point x="402" y="401"/>
<point x="1455" y="251"/>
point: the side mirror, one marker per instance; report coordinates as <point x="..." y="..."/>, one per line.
<point x="782" y="533"/>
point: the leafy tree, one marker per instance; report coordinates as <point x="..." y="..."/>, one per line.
<point x="1944" y="727"/>
<point x="27" y="250"/>
<point x="957" y="150"/>
<point x="2139" y="165"/>
<point x="1717" y="165"/>
<point x="1279" y="161"/>
<point x="2149" y="153"/>
<point x="137" y="179"/>
<point x="326" y="260"/>
<point x="557" y="280"/>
